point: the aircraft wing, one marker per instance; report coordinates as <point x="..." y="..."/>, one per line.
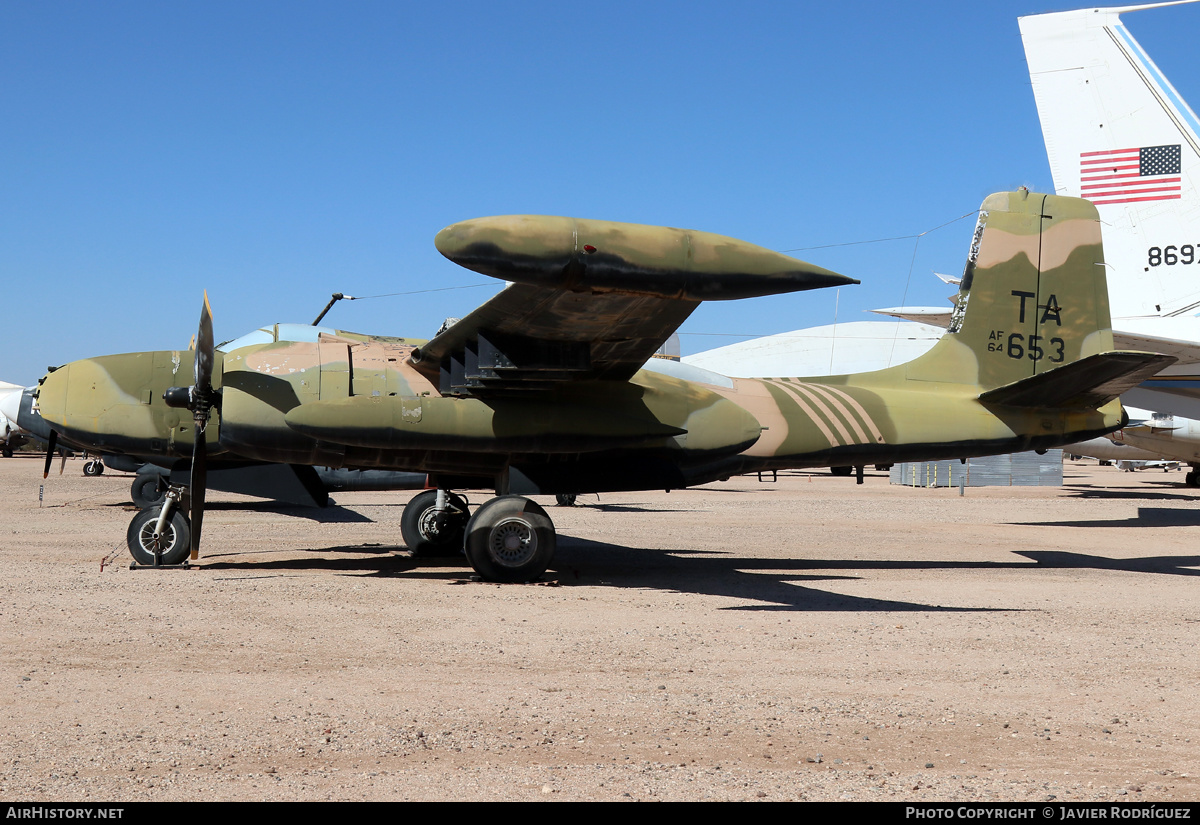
<point x="589" y="299"/>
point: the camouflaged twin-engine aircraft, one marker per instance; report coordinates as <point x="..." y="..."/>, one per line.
<point x="542" y="389"/>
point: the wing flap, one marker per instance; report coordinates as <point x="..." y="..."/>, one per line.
<point x="1087" y="383"/>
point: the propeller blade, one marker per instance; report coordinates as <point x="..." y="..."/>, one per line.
<point x="50" y="453"/>
<point x="199" y="481"/>
<point x="205" y="352"/>
<point x="201" y="403"/>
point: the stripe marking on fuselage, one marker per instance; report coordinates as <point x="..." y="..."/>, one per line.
<point x="807" y="410"/>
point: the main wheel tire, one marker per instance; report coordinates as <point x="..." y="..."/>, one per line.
<point x="1192" y="479"/>
<point x="148" y="491"/>
<point x="174" y="546"/>
<point x="566" y="499"/>
<point x="419" y="526"/>
<point x="841" y="471"/>
<point x="510" y="539"/>
<point x="7" y="452"/>
<point x="93" y="468"/>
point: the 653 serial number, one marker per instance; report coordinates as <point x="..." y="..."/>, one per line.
<point x="1018" y="346"/>
<point x="1171" y="255"/>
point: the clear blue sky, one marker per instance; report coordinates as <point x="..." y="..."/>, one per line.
<point x="275" y="152"/>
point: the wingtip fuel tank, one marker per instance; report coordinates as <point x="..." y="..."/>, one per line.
<point x="590" y="255"/>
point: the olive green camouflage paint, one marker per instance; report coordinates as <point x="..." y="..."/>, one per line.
<point x="1033" y="298"/>
<point x="634" y="259"/>
<point x="617" y="289"/>
<point x="113" y="403"/>
<point x="295" y="399"/>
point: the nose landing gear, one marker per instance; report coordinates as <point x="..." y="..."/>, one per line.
<point x="160" y="536"/>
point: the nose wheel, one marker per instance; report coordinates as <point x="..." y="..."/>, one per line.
<point x="159" y="536"/>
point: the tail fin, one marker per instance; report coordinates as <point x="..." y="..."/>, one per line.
<point x="1118" y="133"/>
<point x="1032" y="302"/>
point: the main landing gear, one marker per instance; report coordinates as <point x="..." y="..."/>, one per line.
<point x="434" y="523"/>
<point x="148" y="490"/>
<point x="508" y="539"/>
<point x="1192" y="479"/>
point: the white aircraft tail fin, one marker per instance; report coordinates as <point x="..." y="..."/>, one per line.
<point x="1118" y="133"/>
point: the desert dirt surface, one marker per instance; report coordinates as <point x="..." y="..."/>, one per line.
<point x="805" y="639"/>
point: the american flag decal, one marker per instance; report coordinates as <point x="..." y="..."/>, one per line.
<point x="1150" y="173"/>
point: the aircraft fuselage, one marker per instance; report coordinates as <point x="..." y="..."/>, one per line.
<point x="339" y="402"/>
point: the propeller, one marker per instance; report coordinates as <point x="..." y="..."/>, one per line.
<point x="200" y="398"/>
<point x="50" y="452"/>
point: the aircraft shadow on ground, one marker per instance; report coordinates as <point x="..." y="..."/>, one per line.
<point x="774" y="583"/>
<point x="370" y="559"/>
<point x="1146" y="517"/>
<point x="1162" y="490"/>
<point x="634" y="508"/>
<point x="1173" y="565"/>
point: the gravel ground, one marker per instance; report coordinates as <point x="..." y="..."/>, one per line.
<point x="807" y="639"/>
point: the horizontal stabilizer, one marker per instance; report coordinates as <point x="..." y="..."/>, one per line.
<point x="1087" y="383"/>
<point x="934" y="316"/>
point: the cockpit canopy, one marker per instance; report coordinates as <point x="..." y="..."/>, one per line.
<point x="275" y="333"/>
